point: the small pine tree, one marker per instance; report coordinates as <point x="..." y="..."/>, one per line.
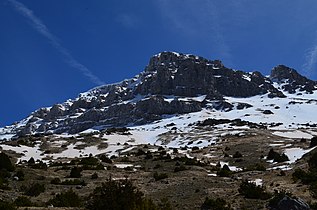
<point x="31" y="161"/>
<point x="313" y="142"/>
<point x="75" y="172"/>
<point x="5" y="162"/>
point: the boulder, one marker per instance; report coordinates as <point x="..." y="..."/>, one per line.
<point x="288" y="203"/>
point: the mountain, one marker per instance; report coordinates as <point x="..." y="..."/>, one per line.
<point x="186" y="127"/>
<point x="172" y="83"/>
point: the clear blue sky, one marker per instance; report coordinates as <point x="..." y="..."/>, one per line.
<point x="51" y="50"/>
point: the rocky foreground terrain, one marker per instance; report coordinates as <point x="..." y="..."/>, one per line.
<point x="189" y="133"/>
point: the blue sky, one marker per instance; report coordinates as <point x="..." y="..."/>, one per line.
<point x="51" y="50"/>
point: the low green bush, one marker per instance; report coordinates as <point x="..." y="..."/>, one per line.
<point x="224" y="171"/>
<point x="5" y="162"/>
<point x="73" y="182"/>
<point x="215" y="204"/>
<point x="75" y="172"/>
<point x="66" y="199"/>
<point x="23" y="201"/>
<point x="7" y="206"/>
<point x="160" y="176"/>
<point x="119" y="195"/>
<point x="251" y="190"/>
<point x="276" y="157"/>
<point x="35" y="189"/>
<point x="180" y="168"/>
<point x="237" y="154"/>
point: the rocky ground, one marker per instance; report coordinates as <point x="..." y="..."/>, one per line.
<point x="184" y="177"/>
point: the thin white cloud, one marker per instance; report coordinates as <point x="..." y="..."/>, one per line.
<point x="41" y="28"/>
<point x="310" y="61"/>
<point x="127" y="20"/>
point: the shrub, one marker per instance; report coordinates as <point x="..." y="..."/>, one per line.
<point x="121" y="131"/>
<point x="276" y="157"/>
<point x="237" y="155"/>
<point x="281" y="158"/>
<point x="5" y="162"/>
<point x="164" y="204"/>
<point x="105" y="159"/>
<point x="23" y="201"/>
<point x="251" y="190"/>
<point x="180" y="168"/>
<point x="148" y="155"/>
<point x="215" y="204"/>
<point x="56" y="181"/>
<point x="189" y="161"/>
<point x="73" y="182"/>
<point x="66" y="199"/>
<point x="224" y="171"/>
<point x="118" y="195"/>
<point x="313" y="142"/>
<point x="4" y="184"/>
<point x="75" y="172"/>
<point x="89" y="161"/>
<point x="140" y="152"/>
<point x="312" y="162"/>
<point x="35" y="189"/>
<point x="259" y="167"/>
<point x="158" y="176"/>
<point x="20" y="175"/>
<point x="7" y="206"/>
<point x="39" y="165"/>
<point x="31" y="161"/>
<point x="93" y="167"/>
<point x="277" y="197"/>
<point x="195" y="148"/>
<point x="256" y="167"/>
<point x="157" y="166"/>
<point x="272" y="154"/>
<point x="94" y="176"/>
<point x="309" y="177"/>
<point x="4" y="174"/>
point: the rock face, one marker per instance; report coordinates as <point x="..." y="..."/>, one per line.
<point x="189" y="75"/>
<point x="292" y="79"/>
<point x="171" y="83"/>
<point x="288" y="203"/>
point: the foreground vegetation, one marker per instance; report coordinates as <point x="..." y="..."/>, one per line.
<point x="150" y="177"/>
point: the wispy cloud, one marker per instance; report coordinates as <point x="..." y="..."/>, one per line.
<point x="127" y="20"/>
<point x="41" y="28"/>
<point x="310" y="61"/>
<point x="198" y="21"/>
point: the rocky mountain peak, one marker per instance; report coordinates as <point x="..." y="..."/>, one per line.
<point x="172" y="83"/>
<point x="281" y="73"/>
<point x="292" y="79"/>
<point x="173" y="59"/>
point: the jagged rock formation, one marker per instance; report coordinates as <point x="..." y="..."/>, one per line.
<point x="292" y="79"/>
<point x="288" y="203"/>
<point x="172" y="83"/>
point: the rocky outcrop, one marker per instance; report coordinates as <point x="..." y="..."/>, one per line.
<point x="288" y="203"/>
<point x="187" y="75"/>
<point x="292" y="79"/>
